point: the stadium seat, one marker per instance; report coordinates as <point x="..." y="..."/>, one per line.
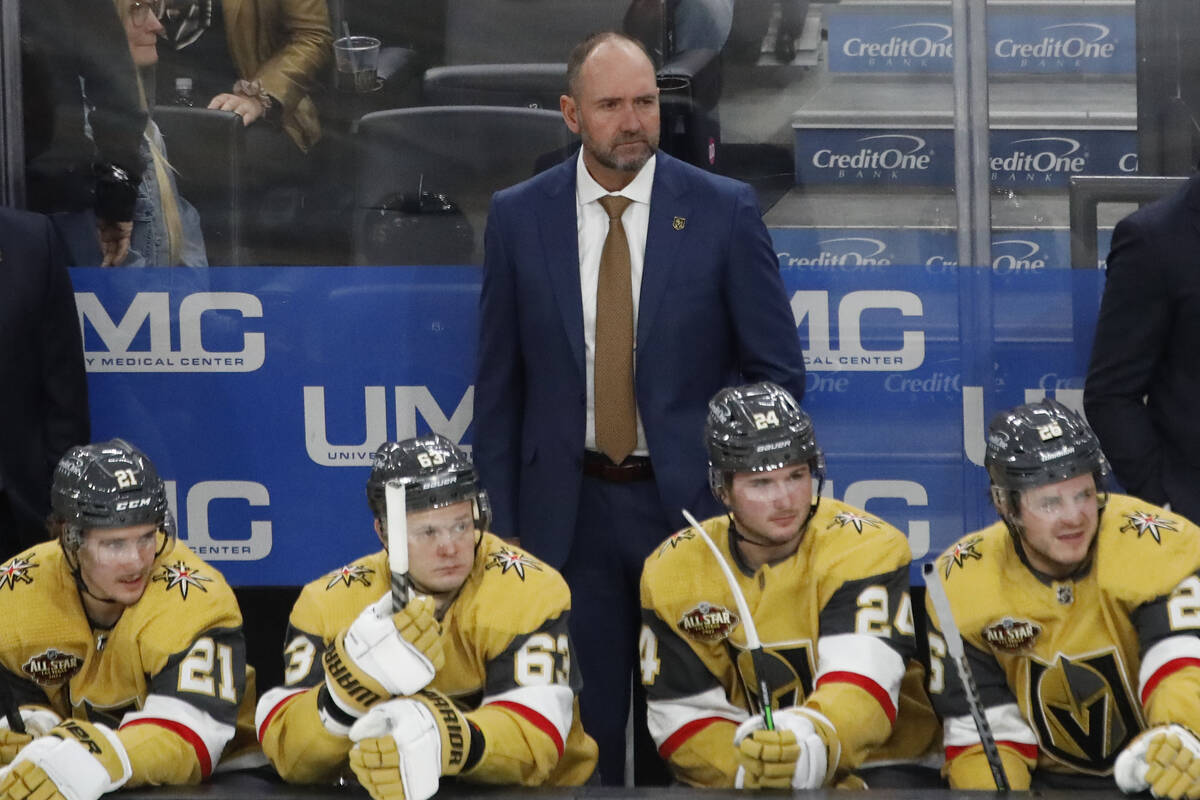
<point x="425" y="177"/>
<point x="205" y="149"/>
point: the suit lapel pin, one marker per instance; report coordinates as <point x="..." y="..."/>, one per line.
<point x="680" y="223"/>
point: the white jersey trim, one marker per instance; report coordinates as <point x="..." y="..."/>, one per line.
<point x="555" y="703"/>
<point x="1006" y="721"/>
<point x="1163" y="653"/>
<point x="270" y="702"/>
<point x="665" y="717"/>
<point x="212" y="734"/>
<point x="868" y="656"/>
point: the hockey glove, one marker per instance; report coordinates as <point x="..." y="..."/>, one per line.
<point x="1165" y="760"/>
<point x="404" y="746"/>
<point x="76" y="761"/>
<point x="795" y="755"/>
<point x="384" y="655"/>
<point x="38" y="722"/>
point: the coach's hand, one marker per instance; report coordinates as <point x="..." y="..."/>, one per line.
<point x="796" y="755"/>
<point x="1165" y="760"/>
<point x="76" y="761"/>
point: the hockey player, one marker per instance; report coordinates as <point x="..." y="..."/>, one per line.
<point x="472" y="678"/>
<point x="123" y="649"/>
<point x="1079" y="612"/>
<point x="827" y="585"/>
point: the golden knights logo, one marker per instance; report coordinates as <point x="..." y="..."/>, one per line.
<point x="507" y="559"/>
<point x="181" y="575"/>
<point x="844" y="518"/>
<point x="788" y="668"/>
<point x="16" y="571"/>
<point x="1081" y="709"/>
<point x="675" y="538"/>
<point x="348" y="575"/>
<point x="1146" y="523"/>
<point x="959" y="554"/>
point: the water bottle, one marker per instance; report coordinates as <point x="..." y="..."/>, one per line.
<point x="183" y="92"/>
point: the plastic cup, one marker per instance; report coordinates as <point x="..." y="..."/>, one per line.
<point x="357" y="61"/>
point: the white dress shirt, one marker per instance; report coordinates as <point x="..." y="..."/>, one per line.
<point x="592" y="222"/>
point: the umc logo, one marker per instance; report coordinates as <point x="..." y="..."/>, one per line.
<point x="195" y="533"/>
<point x="151" y="311"/>
<point x="813" y="308"/>
<point x="410" y="402"/>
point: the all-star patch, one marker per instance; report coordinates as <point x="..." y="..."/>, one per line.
<point x="1142" y="522"/>
<point x="181" y="575"/>
<point x="1011" y="634"/>
<point x="348" y="575"/>
<point x="507" y="559"/>
<point x="675" y="538"/>
<point x="960" y="553"/>
<point x="844" y="518"/>
<point x="16" y="571"/>
<point x="52" y="667"/>
<point x="708" y="622"/>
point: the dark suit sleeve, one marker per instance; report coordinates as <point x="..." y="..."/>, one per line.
<point x="499" y="386"/>
<point x="768" y="346"/>
<point x="1131" y="338"/>
<point x="60" y="343"/>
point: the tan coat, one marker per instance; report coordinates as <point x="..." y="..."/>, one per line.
<point x="284" y="44"/>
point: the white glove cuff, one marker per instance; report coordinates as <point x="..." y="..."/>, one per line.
<point x="418" y="742"/>
<point x="38" y="721"/>
<point x="76" y="773"/>
<point x="379" y="650"/>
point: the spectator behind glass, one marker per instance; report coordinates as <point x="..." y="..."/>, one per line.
<point x="166" y="227"/>
<point x="256" y="59"/>
<point x="70" y="50"/>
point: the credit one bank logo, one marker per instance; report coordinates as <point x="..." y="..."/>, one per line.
<point x="1046" y="157"/>
<point x="884" y="152"/>
<point x="841" y="251"/>
<point x="812" y="312"/>
<point x="1067" y="41"/>
<point x="117" y="326"/>
<point x="913" y="40"/>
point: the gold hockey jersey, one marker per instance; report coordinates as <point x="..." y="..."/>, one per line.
<point x="508" y="666"/>
<point x="1069" y="671"/>
<point x="169" y="676"/>
<point x="836" y="623"/>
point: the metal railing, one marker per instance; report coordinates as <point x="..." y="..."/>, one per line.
<point x="1086" y="193"/>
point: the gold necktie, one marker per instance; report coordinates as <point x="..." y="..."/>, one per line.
<point x="616" y="411"/>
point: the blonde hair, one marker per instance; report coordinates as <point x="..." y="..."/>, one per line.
<point x="162" y="167"/>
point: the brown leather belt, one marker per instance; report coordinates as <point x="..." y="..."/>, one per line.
<point x="633" y="468"/>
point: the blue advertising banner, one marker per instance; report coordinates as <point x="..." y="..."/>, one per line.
<point x="1018" y="158"/>
<point x="863" y="248"/>
<point x="1030" y="39"/>
<point x="261" y="393"/>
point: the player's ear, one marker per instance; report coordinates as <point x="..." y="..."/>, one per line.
<point x="381" y="532"/>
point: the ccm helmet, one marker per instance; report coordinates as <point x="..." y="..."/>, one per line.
<point x="1037" y="444"/>
<point x="435" y="473"/>
<point x="108" y="485"/>
<point x="756" y="428"/>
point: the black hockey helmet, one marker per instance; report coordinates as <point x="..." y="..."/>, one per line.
<point x="108" y="485"/>
<point x="435" y="473"/>
<point x="1037" y="444"/>
<point x="756" y="428"/>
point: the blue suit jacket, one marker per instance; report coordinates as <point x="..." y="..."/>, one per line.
<point x="712" y="313"/>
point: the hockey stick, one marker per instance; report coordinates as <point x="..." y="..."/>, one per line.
<point x="8" y="705"/>
<point x="757" y="657"/>
<point x="397" y="534"/>
<point x="954" y="647"/>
